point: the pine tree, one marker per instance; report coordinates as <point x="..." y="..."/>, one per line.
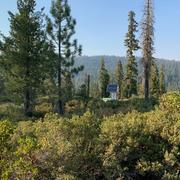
<point x="162" y="81"/>
<point x="147" y="44"/>
<point x="154" y="80"/>
<point x="132" y="45"/>
<point x="94" y="90"/>
<point x="84" y="90"/>
<point x="103" y="79"/>
<point x="23" y="53"/>
<point x="119" y="76"/>
<point x="67" y="87"/>
<point x="2" y="80"/>
<point x="140" y="86"/>
<point x="87" y="81"/>
<point x="61" y="28"/>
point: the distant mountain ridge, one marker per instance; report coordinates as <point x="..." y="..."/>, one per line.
<point x="92" y="65"/>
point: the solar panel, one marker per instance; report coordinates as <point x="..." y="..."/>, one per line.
<point x="112" y="88"/>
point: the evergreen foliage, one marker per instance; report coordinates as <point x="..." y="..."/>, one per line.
<point x="154" y="80"/>
<point x="92" y="64"/>
<point x="119" y="78"/>
<point x="67" y="87"/>
<point x="119" y="139"/>
<point x="162" y="81"/>
<point x="147" y="43"/>
<point x="131" y="68"/>
<point x="22" y="55"/>
<point x="61" y="28"/>
<point x="103" y="80"/>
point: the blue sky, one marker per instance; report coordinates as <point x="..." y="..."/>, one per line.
<point x="102" y="24"/>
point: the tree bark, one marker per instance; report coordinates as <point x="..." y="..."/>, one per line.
<point x="59" y="103"/>
<point x="28" y="104"/>
<point x="146" y="83"/>
<point x="28" y="99"/>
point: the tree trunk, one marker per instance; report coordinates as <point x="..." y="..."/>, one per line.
<point x="146" y="83"/>
<point x="28" y="99"/>
<point x="59" y="103"/>
<point x="28" y="104"/>
<point x="88" y="86"/>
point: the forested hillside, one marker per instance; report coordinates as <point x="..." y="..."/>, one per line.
<point x="92" y="65"/>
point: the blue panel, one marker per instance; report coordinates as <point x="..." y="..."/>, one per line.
<point x="112" y="88"/>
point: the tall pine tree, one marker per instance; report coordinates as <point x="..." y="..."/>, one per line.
<point x="132" y="45"/>
<point x="22" y="53"/>
<point x="162" y="81"/>
<point x="103" y="79"/>
<point x="61" y="28"/>
<point x="119" y="77"/>
<point x="147" y="44"/>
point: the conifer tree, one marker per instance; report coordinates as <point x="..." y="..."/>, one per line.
<point x="23" y="53"/>
<point x="147" y="44"/>
<point x="94" y="91"/>
<point x="140" y="85"/>
<point x="88" y="80"/>
<point x="119" y="77"/>
<point x="162" y="81"/>
<point x="2" y="82"/>
<point x="154" y="80"/>
<point x="103" y="79"/>
<point x="132" y="45"/>
<point x="67" y="87"/>
<point x="84" y="90"/>
<point x="61" y="28"/>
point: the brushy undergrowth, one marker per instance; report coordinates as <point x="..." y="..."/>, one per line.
<point x="136" y="145"/>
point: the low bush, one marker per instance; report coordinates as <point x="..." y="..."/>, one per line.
<point x="135" y="145"/>
<point x="95" y="104"/>
<point x="11" y="111"/>
<point x="44" y="108"/>
<point x="170" y="102"/>
<point x="75" y="107"/>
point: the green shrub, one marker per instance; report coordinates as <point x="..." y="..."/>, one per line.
<point x="170" y="102"/>
<point x="95" y="104"/>
<point x="134" y="145"/>
<point x="109" y="108"/>
<point x="74" y="107"/>
<point x="11" y="111"/>
<point x="6" y="130"/>
<point x="113" y="104"/>
<point x="141" y="145"/>
<point x="44" y="108"/>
